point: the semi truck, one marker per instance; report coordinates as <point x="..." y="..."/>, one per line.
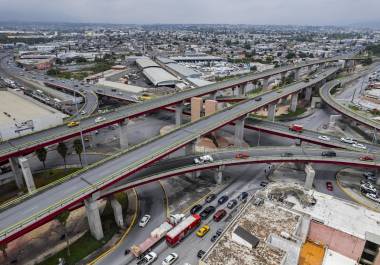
<point x="156" y="235"/>
<point x="174" y="236"/>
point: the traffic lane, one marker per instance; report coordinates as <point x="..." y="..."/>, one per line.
<point x="307" y="134"/>
<point x="151" y="201"/>
<point x="149" y="152"/>
<point x="157" y="103"/>
<point x="248" y="179"/>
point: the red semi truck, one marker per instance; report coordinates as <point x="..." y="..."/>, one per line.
<point x="296" y="128"/>
<point x="174" y="236"/>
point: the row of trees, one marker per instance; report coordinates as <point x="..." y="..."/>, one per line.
<point x="62" y="150"/>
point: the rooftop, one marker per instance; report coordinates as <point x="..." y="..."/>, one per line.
<point x="334" y="258"/>
<point x="262" y="223"/>
<point x="160" y="77"/>
<point x="145" y="62"/>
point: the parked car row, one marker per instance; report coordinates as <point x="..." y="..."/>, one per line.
<point x="367" y="187"/>
<point x="152" y="257"/>
<point x="353" y="142"/>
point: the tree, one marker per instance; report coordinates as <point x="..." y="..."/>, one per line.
<point x="62" y="219"/>
<point x="290" y="55"/>
<point x="3" y="248"/>
<point x="62" y="150"/>
<point x="78" y="147"/>
<point x="41" y="155"/>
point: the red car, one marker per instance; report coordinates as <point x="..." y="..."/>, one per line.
<point x="242" y="155"/>
<point x="329" y="186"/>
<point x="366" y="158"/>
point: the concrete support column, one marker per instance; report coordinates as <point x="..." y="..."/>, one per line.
<point x="248" y="87"/>
<point x="241" y="90"/>
<point x="239" y="132"/>
<point x="123" y="134"/>
<point x="297" y="74"/>
<point x="178" y="114"/>
<point x="94" y="139"/>
<point x="293" y="102"/>
<point x="309" y="68"/>
<point x="28" y="177"/>
<point x="13" y="162"/>
<point x="308" y="93"/>
<point x="117" y="211"/>
<point x="213" y="95"/>
<point x="265" y="83"/>
<point x="211" y="107"/>
<point x="196" y="107"/>
<point x="218" y="174"/>
<point x="283" y="75"/>
<point x="310" y="174"/>
<point x="272" y="111"/>
<point x="93" y="217"/>
<point x="190" y="148"/>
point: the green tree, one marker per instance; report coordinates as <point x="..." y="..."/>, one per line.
<point x="62" y="219"/>
<point x="78" y="147"/>
<point x="290" y="55"/>
<point x="41" y="155"/>
<point x="62" y="150"/>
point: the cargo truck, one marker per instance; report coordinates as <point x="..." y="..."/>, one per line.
<point x="296" y="128"/>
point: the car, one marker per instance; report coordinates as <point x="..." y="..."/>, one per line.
<point x="242" y="155"/>
<point x="219" y="215"/>
<point x="366" y="158"/>
<point x="360" y="146"/>
<point x="348" y="140"/>
<point x="100" y="119"/>
<point x="73" y="124"/>
<point x="243" y="196"/>
<point x="373" y="197"/>
<point x="263" y="184"/>
<point x="286" y="154"/>
<point x="324" y="138"/>
<point x="200" y="253"/>
<point x="144" y="220"/>
<point x="329" y="186"/>
<point x="170" y="259"/>
<point x="219" y="231"/>
<point x="368" y="174"/>
<point x="368" y="188"/>
<point x="328" y="153"/>
<point x="258" y="99"/>
<point x="203" y="230"/>
<point x="232" y="203"/>
<point x="210" y="198"/>
<point x="127" y="251"/>
<point x="83" y="112"/>
<point x="207" y="211"/>
<point x="203" y="159"/>
<point x="149" y="258"/>
<point x="196" y="208"/>
<point x="223" y="199"/>
<point x="214" y="238"/>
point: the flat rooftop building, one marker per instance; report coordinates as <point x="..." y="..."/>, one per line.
<point x="20" y="115"/>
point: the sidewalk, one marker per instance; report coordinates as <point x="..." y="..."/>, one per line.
<point x="348" y="181"/>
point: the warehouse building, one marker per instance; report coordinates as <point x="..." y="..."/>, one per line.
<point x="181" y="70"/>
<point x="20" y="115"/>
<point x="155" y="74"/>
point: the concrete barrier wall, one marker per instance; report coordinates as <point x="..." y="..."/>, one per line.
<point x="338" y="241"/>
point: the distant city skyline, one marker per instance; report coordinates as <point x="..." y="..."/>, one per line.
<point x="280" y="12"/>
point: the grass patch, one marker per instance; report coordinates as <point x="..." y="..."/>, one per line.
<point x="85" y="245"/>
<point x="48" y="176"/>
<point x="292" y="114"/>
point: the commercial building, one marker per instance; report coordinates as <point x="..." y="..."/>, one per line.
<point x="179" y="69"/>
<point x="37" y="63"/>
<point x="155" y="74"/>
<point x="197" y="58"/>
<point x="285" y="224"/>
<point x="20" y="115"/>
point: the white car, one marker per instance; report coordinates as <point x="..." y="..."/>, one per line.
<point x="360" y="146"/>
<point x="324" y="138"/>
<point x="83" y="112"/>
<point x="203" y="159"/>
<point x="348" y="140"/>
<point x="150" y="258"/>
<point x="144" y="220"/>
<point x="370" y="196"/>
<point x="99" y="119"/>
<point x="170" y="259"/>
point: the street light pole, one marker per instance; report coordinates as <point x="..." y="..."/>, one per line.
<point x="81" y="133"/>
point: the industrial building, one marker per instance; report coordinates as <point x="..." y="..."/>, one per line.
<point x="181" y="70"/>
<point x="104" y="84"/>
<point x="20" y="115"/>
<point x="155" y="74"/>
<point x="287" y="225"/>
<point x="197" y="58"/>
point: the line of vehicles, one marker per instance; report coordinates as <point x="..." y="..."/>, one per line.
<point x="76" y="123"/>
<point x="367" y="186"/>
<point x="177" y="227"/>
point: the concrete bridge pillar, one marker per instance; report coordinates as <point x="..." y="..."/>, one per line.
<point x="272" y="111"/>
<point x="241" y="90"/>
<point x="196" y="107"/>
<point x="28" y="177"/>
<point x="308" y="93"/>
<point x="310" y="174"/>
<point x="178" y="113"/>
<point x="13" y="162"/>
<point x="297" y="74"/>
<point x="239" y="131"/>
<point x="117" y="211"/>
<point x="123" y="134"/>
<point x="283" y="75"/>
<point x="265" y="83"/>
<point x="190" y="148"/>
<point x="218" y="174"/>
<point x="94" y="139"/>
<point x="213" y="95"/>
<point x="294" y="102"/>
<point x="248" y="87"/>
<point x="309" y="68"/>
<point x="93" y="217"/>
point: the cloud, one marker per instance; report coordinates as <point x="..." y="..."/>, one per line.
<point x="311" y="12"/>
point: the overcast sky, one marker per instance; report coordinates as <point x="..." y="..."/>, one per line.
<point x="310" y="12"/>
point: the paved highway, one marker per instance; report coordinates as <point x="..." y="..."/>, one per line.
<point x="31" y="142"/>
<point x="101" y="175"/>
